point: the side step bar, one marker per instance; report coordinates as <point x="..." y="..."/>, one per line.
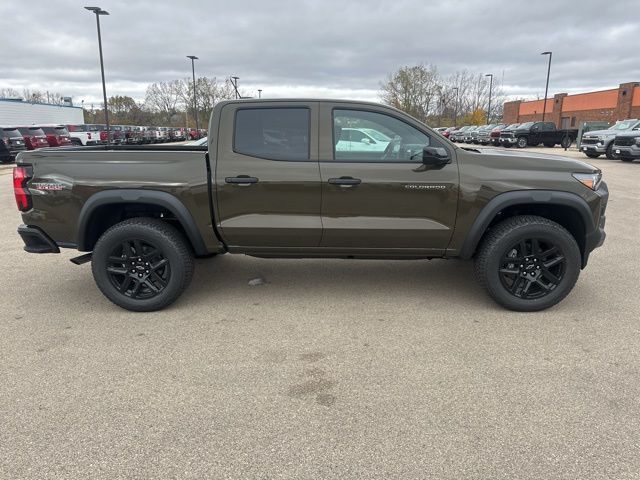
<point x="82" y="258"/>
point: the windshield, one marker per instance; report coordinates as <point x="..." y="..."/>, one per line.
<point x="31" y="131"/>
<point x="55" y="130"/>
<point x="77" y="128"/>
<point x="624" y="125"/>
<point x="526" y="125"/>
<point x="96" y="128"/>
<point x="10" y="133"/>
<point x="512" y="126"/>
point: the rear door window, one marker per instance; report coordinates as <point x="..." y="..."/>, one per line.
<point x="272" y="133"/>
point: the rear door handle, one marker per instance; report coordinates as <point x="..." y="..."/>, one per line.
<point x="345" y="181"/>
<point x="241" y="180"/>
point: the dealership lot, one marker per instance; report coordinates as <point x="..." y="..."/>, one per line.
<point x="330" y="369"/>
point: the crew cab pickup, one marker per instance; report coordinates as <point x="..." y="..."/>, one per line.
<point x="274" y="184"/>
<point x="535" y="133"/>
<point x="626" y="146"/>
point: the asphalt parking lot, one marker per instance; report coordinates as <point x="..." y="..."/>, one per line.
<point x="331" y="369"/>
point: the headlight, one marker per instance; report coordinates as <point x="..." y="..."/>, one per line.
<point x="591" y="180"/>
<point x="638" y="141"/>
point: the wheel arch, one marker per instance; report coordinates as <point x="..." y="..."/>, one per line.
<point x="565" y="208"/>
<point x="94" y="219"/>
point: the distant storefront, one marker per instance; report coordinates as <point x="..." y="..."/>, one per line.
<point x="19" y="112"/>
<point x="568" y="111"/>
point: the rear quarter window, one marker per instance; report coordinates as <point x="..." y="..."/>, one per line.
<point x="277" y="133"/>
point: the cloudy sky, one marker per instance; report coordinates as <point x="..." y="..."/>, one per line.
<point x="321" y="48"/>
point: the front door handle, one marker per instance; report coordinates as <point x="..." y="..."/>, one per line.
<point x="241" y="180"/>
<point x="345" y="181"/>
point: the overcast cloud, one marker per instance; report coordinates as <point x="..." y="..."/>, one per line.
<point x="323" y="48"/>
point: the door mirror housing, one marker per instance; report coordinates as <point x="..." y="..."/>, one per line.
<point x="435" y="156"/>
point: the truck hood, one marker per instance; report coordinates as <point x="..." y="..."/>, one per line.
<point x="507" y="159"/>
<point x="594" y="133"/>
<point x="628" y="133"/>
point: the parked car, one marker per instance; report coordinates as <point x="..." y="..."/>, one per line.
<point x="83" y="135"/>
<point x="11" y="143"/>
<point x="469" y="134"/>
<point x="148" y="135"/>
<point x="495" y="133"/>
<point x="529" y="221"/>
<point x="361" y="139"/>
<point x="626" y="146"/>
<point x="33" y="137"/>
<point x="57" y="135"/>
<point x="117" y="134"/>
<point x="599" y="142"/>
<point x="536" y="133"/>
<point x="447" y="133"/>
<point x="100" y="130"/>
<point x="483" y="137"/>
<point x="458" y="135"/>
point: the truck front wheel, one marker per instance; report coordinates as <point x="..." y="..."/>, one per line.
<point x="142" y="264"/>
<point x="522" y="142"/>
<point x="528" y="263"/>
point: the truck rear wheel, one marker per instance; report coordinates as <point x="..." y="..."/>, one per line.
<point x="528" y="263"/>
<point x="142" y="264"/>
<point x="565" y="142"/>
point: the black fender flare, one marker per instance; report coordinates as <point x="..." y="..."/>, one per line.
<point x="523" y="197"/>
<point x="153" y="197"/>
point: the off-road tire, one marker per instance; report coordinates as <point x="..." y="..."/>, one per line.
<point x="496" y="245"/>
<point x="166" y="239"/>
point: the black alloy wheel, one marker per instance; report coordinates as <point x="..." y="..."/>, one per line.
<point x="138" y="269"/>
<point x="532" y="268"/>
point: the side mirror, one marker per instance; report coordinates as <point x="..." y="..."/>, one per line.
<point x="435" y="156"/>
<point x="366" y="141"/>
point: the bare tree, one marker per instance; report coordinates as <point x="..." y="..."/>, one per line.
<point x="164" y="97"/>
<point x="413" y="90"/>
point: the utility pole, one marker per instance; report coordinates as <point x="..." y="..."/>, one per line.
<point x="490" y="88"/>
<point x="195" y="101"/>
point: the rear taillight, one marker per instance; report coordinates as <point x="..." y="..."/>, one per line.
<point x="21" y="175"/>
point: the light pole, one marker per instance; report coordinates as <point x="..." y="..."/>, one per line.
<point x="234" y="82"/>
<point x="195" y="101"/>
<point x="490" y="88"/>
<point x="259" y="93"/>
<point x="455" y="108"/>
<point x="98" y="11"/>
<point x="546" y="89"/>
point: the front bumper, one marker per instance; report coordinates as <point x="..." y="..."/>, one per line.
<point x="510" y="140"/>
<point x="595" y="238"/>
<point x="36" y="241"/>
<point x="593" y="148"/>
<point x="632" y="152"/>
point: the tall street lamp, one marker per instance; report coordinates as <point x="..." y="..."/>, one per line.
<point x="490" y="89"/>
<point x="195" y="101"/>
<point x="259" y="93"/>
<point x="455" y="107"/>
<point x="98" y="11"/>
<point x="546" y="89"/>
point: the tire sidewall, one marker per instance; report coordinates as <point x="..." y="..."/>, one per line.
<point x="563" y="240"/>
<point x="117" y="235"/>
<point x="522" y="142"/>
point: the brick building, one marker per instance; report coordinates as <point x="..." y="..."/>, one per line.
<point x="569" y="111"/>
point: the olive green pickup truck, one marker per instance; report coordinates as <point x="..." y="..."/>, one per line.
<point x="312" y="178"/>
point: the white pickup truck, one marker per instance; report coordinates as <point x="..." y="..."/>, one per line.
<point x="83" y="135"/>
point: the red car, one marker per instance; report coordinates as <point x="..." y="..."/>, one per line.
<point x="34" y="137"/>
<point x="57" y="135"/>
